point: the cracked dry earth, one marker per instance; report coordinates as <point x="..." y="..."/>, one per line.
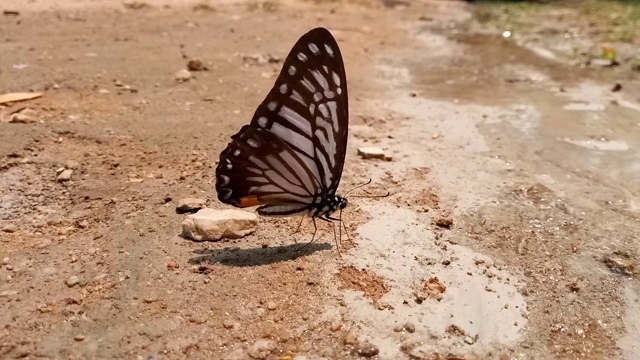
<point x="511" y="231"/>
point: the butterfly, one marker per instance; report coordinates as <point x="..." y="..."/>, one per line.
<point x="289" y="159"/>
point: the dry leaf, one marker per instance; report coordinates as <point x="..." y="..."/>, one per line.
<point x="13" y="97"/>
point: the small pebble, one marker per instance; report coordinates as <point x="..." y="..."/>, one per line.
<point x="65" y="175"/>
<point x="271" y="305"/>
<point x="79" y="338"/>
<point x="190" y="205"/>
<point x="9" y="228"/>
<point x="366" y="349"/>
<point x="196" y="65"/>
<point x="5" y="261"/>
<point x="228" y="324"/>
<point x="183" y="75"/>
<point x="72" y="281"/>
<point x="351" y="338"/>
<point x="336" y="325"/>
<point x="409" y="327"/>
<point x="9" y="267"/>
<point x="371" y="153"/>
<point x="71" y="164"/>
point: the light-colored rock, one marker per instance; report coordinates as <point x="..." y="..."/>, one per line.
<point x="602" y="62"/>
<point x="71" y="164"/>
<point x="65" y="175"/>
<point x="72" y="281"/>
<point x="211" y="224"/>
<point x="371" y="152"/>
<point x="190" y="204"/>
<point x="422" y="352"/>
<point x="183" y="75"/>
<point x="261" y="349"/>
<point x="9" y="228"/>
<point x="27" y="116"/>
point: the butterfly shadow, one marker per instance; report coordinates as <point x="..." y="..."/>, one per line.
<point x="238" y="257"/>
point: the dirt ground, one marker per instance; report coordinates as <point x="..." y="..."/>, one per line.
<point x="511" y="231"/>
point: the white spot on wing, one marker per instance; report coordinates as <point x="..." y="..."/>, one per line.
<point x="308" y="84"/>
<point x="314" y="48"/>
<point x="292" y="70"/>
<point x="283" y="89"/>
<point x="323" y="109"/>
<point x="333" y="107"/>
<point x="339" y="91"/>
<point x="253" y="143"/>
<point x="297" y="97"/>
<point x="329" y="94"/>
<point x="302" y="57"/>
<point x="320" y="79"/>
<point x="224" y="180"/>
<point x="312" y="108"/>
<point x="272" y="105"/>
<point x="317" y="97"/>
<point x="262" y="122"/>
<point x="236" y="152"/>
<point x="226" y="193"/>
<point x="329" y="50"/>
<point x="336" y="78"/>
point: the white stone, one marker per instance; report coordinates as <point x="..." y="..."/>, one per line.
<point x="65" y="175"/>
<point x="183" y="75"/>
<point x="190" y="204"/>
<point x="261" y="349"/>
<point x="211" y="224"/>
<point x="371" y="153"/>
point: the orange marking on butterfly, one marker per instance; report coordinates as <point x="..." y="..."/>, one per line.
<point x="249" y="201"/>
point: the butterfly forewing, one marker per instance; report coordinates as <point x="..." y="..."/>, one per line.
<point x="292" y="154"/>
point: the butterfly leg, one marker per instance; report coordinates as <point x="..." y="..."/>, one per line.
<point x="298" y="228"/>
<point x="345" y="229"/>
<point x="313" y="238"/>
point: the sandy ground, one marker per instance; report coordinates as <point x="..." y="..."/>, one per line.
<point x="511" y="231"/>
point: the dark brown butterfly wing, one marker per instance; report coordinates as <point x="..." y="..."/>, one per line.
<point x="302" y="129"/>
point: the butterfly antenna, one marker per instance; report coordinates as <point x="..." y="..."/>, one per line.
<point x="366" y="196"/>
<point x="357" y="187"/>
<point x="371" y="196"/>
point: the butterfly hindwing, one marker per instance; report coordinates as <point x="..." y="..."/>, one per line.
<point x="301" y="128"/>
